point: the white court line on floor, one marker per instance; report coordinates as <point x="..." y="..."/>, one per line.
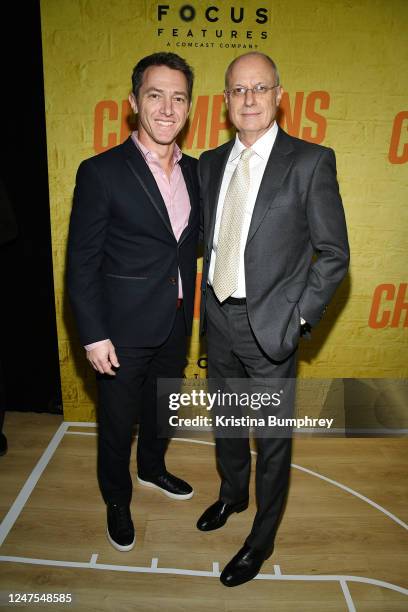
<point x="390" y="515"/>
<point x="94" y="560"/>
<point x="155" y="569"/>
<point x="353" y="492"/>
<point x="347" y="596"/>
<point x="335" y="483"/>
<point x="21" y="499"/>
<point x="32" y="480"/>
<point x="80" y="433"/>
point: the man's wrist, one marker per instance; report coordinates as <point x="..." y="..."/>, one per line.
<point x="89" y="347"/>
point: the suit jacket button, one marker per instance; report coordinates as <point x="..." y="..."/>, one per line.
<point x="173" y="280"/>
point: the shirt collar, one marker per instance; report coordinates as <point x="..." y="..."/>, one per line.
<point x="151" y="155"/>
<point x="262" y="147"/>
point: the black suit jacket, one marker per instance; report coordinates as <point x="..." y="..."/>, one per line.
<point x="123" y="257"/>
<point x="297" y="249"/>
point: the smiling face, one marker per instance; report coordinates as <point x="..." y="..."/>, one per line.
<point x="162" y="106"/>
<point x="252" y="114"/>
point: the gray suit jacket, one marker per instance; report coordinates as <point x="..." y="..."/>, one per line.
<point x="297" y="250"/>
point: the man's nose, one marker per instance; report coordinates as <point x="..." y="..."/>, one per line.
<point x="249" y="97"/>
<point x="167" y="106"/>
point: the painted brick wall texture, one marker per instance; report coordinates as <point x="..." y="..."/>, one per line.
<point x="344" y="66"/>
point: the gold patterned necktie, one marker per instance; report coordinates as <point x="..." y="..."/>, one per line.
<point x="225" y="280"/>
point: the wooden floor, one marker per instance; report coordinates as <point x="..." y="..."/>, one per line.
<point x="326" y="531"/>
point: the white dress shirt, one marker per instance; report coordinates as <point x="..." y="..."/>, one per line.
<point x="257" y="164"/>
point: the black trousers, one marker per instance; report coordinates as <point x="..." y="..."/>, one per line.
<point x="233" y="352"/>
<point x="128" y="397"/>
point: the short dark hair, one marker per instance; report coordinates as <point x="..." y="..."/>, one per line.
<point x="171" y="60"/>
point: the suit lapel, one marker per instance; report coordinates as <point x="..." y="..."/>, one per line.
<point x="217" y="169"/>
<point x="192" y="192"/>
<point x="277" y="167"/>
<point x="144" y="176"/>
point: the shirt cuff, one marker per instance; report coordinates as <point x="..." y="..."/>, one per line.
<point x="89" y="347"/>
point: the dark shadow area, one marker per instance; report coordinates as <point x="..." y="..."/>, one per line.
<point x="28" y="345"/>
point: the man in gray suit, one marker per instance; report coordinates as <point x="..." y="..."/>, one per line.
<point x="276" y="249"/>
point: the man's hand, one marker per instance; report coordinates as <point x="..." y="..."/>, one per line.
<point x="103" y="357"/>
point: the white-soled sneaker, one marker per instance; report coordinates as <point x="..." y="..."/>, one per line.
<point x="120" y="529"/>
<point x="169" y="485"/>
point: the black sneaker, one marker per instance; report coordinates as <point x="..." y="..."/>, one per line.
<point x="120" y="530"/>
<point x="169" y="485"/>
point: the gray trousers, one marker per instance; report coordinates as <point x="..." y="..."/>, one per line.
<point x="233" y="352"/>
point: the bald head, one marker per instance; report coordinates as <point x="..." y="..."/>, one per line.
<point x="252" y="95"/>
<point x="252" y="54"/>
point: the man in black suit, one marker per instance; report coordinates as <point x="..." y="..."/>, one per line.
<point x="276" y="248"/>
<point x="131" y="279"/>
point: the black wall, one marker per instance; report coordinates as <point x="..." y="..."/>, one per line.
<point x="28" y="339"/>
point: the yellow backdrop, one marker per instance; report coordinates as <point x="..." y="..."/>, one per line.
<point x="344" y="67"/>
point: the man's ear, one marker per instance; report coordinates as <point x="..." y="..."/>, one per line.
<point x="133" y="102"/>
<point x="279" y="93"/>
<point x="226" y="99"/>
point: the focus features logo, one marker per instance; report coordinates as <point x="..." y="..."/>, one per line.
<point x="188" y="13"/>
<point x="202" y="23"/>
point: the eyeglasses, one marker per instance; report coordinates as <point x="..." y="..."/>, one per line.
<point x="240" y="92"/>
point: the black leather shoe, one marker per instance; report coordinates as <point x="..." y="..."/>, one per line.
<point x="169" y="485"/>
<point x="243" y="567"/>
<point x="120" y="530"/>
<point x="216" y="515"/>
